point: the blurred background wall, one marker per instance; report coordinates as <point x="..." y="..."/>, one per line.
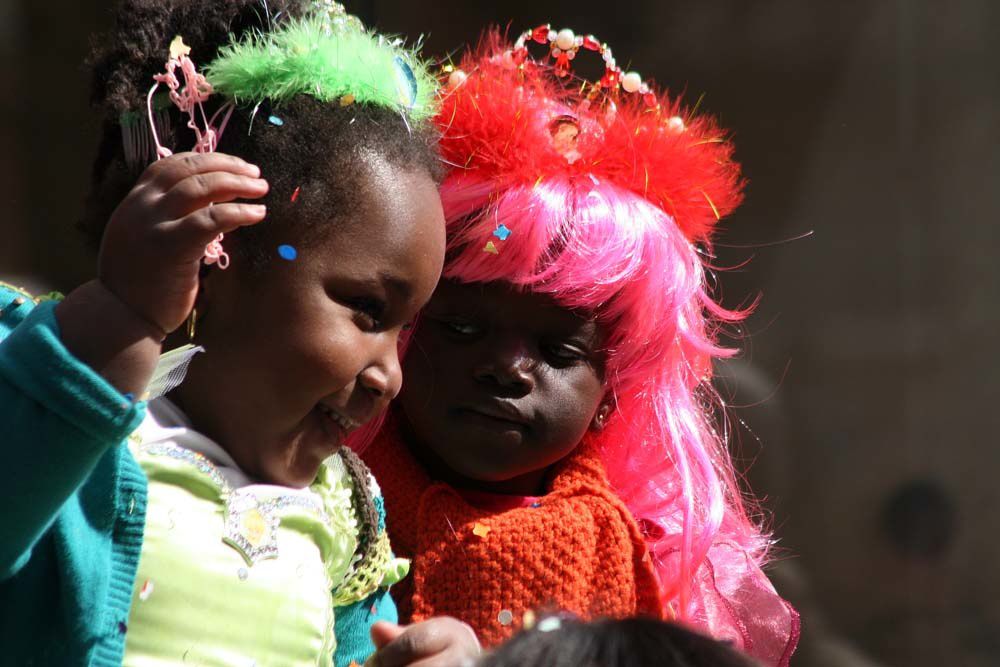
<point x="864" y="404"/>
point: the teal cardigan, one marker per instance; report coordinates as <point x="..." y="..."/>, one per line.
<point x="75" y="505"/>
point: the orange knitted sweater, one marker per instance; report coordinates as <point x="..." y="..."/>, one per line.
<point x="576" y="549"/>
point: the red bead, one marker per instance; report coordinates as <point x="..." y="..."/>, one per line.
<point x="591" y="43"/>
<point x="610" y="78"/>
<point x="562" y="64"/>
<point x="518" y="55"/>
<point x="649" y="99"/>
<point x="540" y="34"/>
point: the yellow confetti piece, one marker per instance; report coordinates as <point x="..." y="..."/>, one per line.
<point x="178" y="48"/>
<point x="492" y="249"/>
<point x="481" y="530"/>
<point x="347" y="100"/>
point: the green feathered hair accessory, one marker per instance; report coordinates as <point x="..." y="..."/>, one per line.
<point x="329" y="57"/>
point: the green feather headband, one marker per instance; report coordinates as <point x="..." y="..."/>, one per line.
<point x="328" y="61"/>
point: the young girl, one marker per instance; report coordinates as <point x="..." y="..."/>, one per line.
<point x="555" y="444"/>
<point x="224" y="525"/>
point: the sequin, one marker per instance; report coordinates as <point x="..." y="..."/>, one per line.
<point x="491" y="248"/>
<point x="274" y="120"/>
<point x="505" y="617"/>
<point x="288" y="252"/>
<point x="549" y="624"/>
<point x="406" y="83"/>
<point x="481" y="530"/>
<point x="502" y="232"/>
<point x="146" y="590"/>
<point x="243" y="573"/>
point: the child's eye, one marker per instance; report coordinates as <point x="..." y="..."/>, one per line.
<point x="564" y="353"/>
<point x="369" y="312"/>
<point x="460" y="327"/>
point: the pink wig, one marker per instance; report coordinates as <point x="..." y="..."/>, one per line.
<point x="612" y="227"/>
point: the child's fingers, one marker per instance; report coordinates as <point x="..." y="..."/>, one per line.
<point x="383" y="632"/>
<point x="190" y="234"/>
<point x="166" y="172"/>
<point x="437" y="642"/>
<point x="200" y="190"/>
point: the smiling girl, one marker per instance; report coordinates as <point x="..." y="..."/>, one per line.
<point x="224" y="524"/>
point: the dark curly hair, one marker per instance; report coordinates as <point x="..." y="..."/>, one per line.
<point x="314" y="150"/>
<point x="557" y="641"/>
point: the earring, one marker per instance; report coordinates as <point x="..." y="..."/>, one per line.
<point x="192" y="319"/>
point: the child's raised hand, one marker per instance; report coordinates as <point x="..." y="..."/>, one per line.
<point x="437" y="642"/>
<point x="152" y="247"/>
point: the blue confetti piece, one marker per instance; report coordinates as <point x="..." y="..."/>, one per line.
<point x="535" y="505"/>
<point x="406" y="83"/>
<point x="288" y="252"/>
<point x="130" y="397"/>
<point x="274" y="120"/>
<point x="502" y="232"/>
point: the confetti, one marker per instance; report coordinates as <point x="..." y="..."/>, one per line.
<point x="243" y="573"/>
<point x="295" y="195"/>
<point x="288" y="252"/>
<point x="274" y="120"/>
<point x="528" y="620"/>
<point x="129" y="396"/>
<point x="481" y="530"/>
<point x="506" y="617"/>
<point x="549" y="624"/>
<point x="502" y="232"/>
<point x="346" y="100"/>
<point x="536" y="505"/>
<point x="490" y="248"/>
<point x="178" y="48"/>
<point x="146" y="590"/>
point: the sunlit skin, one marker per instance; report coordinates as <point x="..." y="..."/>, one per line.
<point x="500" y="385"/>
<point x="302" y="352"/>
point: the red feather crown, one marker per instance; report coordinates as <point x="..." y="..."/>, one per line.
<point x="512" y="120"/>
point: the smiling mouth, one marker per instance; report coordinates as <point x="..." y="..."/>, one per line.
<point x="345" y="424"/>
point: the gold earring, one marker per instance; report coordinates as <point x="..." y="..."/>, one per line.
<point x="192" y="319"/>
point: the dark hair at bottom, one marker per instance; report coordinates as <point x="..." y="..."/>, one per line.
<point x="309" y="154"/>
<point x="556" y="641"/>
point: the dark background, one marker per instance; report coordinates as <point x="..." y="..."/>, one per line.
<point x="870" y="373"/>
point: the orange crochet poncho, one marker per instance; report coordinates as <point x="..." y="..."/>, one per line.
<point x="576" y="549"/>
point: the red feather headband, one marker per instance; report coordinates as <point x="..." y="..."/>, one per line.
<point x="512" y="120"/>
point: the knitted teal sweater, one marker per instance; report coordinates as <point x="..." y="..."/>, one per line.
<point x="75" y="503"/>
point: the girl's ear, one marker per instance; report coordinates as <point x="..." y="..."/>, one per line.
<point x="602" y="414"/>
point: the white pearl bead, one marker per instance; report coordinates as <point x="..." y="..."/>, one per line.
<point x="565" y="40"/>
<point x="571" y="54"/>
<point x="552" y="35"/>
<point x="456" y="79"/>
<point x="676" y="123"/>
<point x="631" y="82"/>
<point x="556" y="51"/>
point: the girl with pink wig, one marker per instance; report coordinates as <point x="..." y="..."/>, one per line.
<point x="555" y="443"/>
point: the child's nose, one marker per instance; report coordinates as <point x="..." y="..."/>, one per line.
<point x="383" y="377"/>
<point x="509" y="364"/>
